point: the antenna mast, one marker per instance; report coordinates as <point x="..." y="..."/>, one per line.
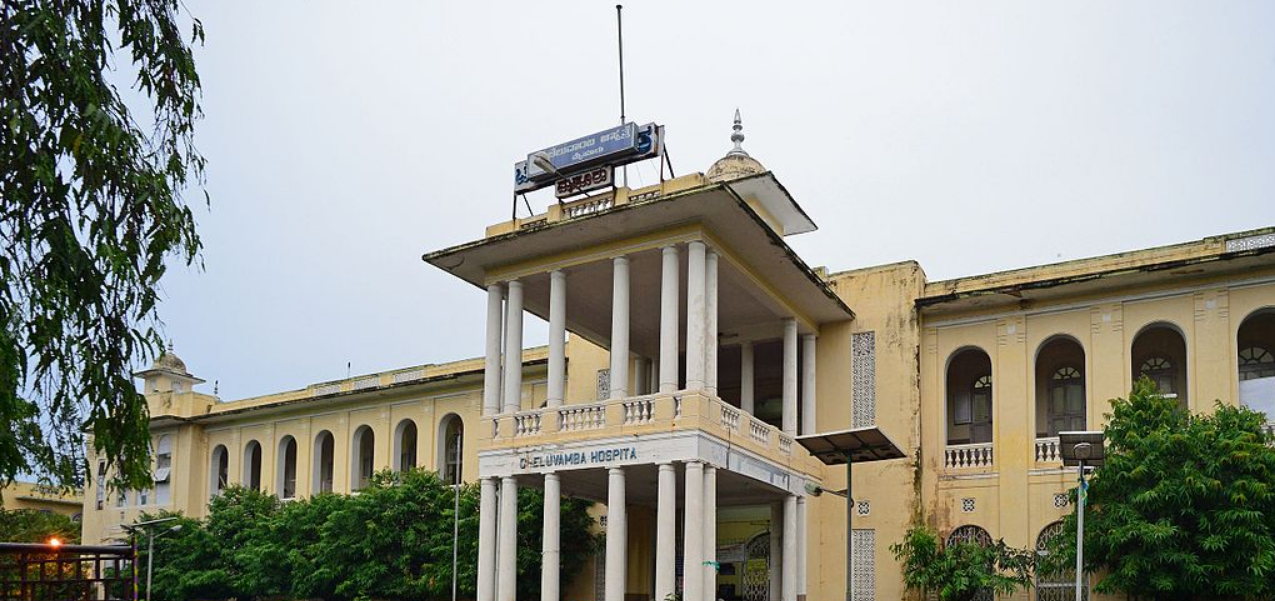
<point x="619" y="29"/>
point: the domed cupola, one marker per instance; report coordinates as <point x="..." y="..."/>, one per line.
<point x="737" y="163"/>
<point x="168" y="374"/>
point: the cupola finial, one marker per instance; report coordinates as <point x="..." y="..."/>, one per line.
<point x="738" y="136"/>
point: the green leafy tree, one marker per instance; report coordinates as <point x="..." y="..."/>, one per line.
<point x="1184" y="506"/>
<point x="187" y="561"/>
<point x="91" y="207"/>
<point x="391" y="541"/>
<point x="33" y="526"/>
<point x="961" y="571"/>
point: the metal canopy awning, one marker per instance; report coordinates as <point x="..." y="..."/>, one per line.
<point x="857" y="445"/>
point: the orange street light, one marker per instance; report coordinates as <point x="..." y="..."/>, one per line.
<point x="55" y="542"/>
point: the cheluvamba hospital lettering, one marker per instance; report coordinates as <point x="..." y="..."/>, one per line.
<point x="543" y="460"/>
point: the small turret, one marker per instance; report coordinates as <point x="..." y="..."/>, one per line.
<point x="168" y="374"/>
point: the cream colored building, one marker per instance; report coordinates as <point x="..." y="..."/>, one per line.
<point x="29" y="495"/>
<point x="690" y="346"/>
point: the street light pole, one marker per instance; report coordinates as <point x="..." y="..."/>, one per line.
<point x="455" y="518"/>
<point x="1080" y="536"/>
<point x="150" y="560"/>
<point x="149" y="527"/>
<point x="1082" y="449"/>
<point x="849" y="529"/>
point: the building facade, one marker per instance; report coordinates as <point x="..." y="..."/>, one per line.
<point x="30" y="495"/>
<point x="690" y="347"/>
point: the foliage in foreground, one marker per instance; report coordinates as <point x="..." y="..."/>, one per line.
<point x="961" y="571"/>
<point x="90" y="209"/>
<point x="32" y="526"/>
<point x="1183" y="508"/>
<point x="391" y="541"/>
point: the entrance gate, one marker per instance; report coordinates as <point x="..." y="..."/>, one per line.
<point x="756" y="580"/>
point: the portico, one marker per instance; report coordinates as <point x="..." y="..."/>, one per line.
<point x="669" y="281"/>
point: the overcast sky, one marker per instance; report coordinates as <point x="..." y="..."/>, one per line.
<point x="345" y="139"/>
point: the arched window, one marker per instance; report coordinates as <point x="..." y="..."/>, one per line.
<point x="969" y="534"/>
<point x="1054" y="586"/>
<point x="252" y="465"/>
<point x="451" y="449"/>
<point x="163" y="470"/>
<point x="969" y="398"/>
<point x="405" y="445"/>
<point x="1159" y="353"/>
<point x="1256" y="362"/>
<point x="1060" y="387"/>
<point x="1255" y="342"/>
<point x="220" y="471"/>
<point x="979" y="536"/>
<point x="364" y="452"/>
<point x="322" y="474"/>
<point x="286" y="472"/>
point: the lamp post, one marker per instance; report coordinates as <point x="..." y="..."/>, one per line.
<point x="848" y="447"/>
<point x="455" y="515"/>
<point x="149" y="527"/>
<point x="1081" y="449"/>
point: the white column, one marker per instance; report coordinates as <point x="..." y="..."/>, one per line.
<point x="776" y="549"/>
<point x="693" y="530"/>
<point x="666" y="533"/>
<point x="620" y="328"/>
<point x="696" y="330"/>
<point x="557" y="338"/>
<point x="746" y="384"/>
<point x="710" y="531"/>
<point x="507" y="561"/>
<point x="513" y="349"/>
<point x="550" y="560"/>
<point x="710" y="323"/>
<point x="808" y="384"/>
<point x="491" y="369"/>
<point x="801" y="547"/>
<point x="790" y="549"/>
<point x="487" y="539"/>
<point x="790" y="377"/>
<point x="617" y="536"/>
<point x="668" y="321"/>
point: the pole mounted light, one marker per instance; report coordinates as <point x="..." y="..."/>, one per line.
<point x="1083" y="450"/>
<point x="848" y="447"/>
<point x="149" y="527"/>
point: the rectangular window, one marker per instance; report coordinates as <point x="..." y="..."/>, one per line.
<point x="101" y="484"/>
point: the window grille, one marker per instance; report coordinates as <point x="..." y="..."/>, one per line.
<point x="863" y="565"/>
<point x="863" y="347"/>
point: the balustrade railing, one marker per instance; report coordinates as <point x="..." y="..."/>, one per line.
<point x="1048" y="451"/>
<point x="730" y="418"/>
<point x="639" y="411"/>
<point x="964" y="456"/>
<point x="759" y="431"/>
<point x="527" y="424"/>
<point x="577" y="418"/>
<point x="588" y="206"/>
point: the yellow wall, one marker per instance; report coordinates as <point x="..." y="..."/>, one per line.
<point x="27" y="495"/>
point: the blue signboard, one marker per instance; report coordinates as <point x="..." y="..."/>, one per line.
<point x="587" y="151"/>
<point x="616" y="146"/>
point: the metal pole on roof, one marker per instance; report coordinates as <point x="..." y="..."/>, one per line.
<point x="619" y="34"/>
